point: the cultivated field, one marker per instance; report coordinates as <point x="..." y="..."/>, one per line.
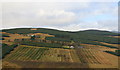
<point x="31" y="53"/>
<point x="42" y="56"/>
<point x="37" y="55"/>
<point x="98" y="47"/>
<point x="46" y="48"/>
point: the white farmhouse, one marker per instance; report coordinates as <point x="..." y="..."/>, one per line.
<point x="72" y="47"/>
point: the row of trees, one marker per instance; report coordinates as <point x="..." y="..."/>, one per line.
<point x="6" y="49"/>
<point x="41" y="44"/>
<point x="33" y="39"/>
<point x="5" y="35"/>
<point x="117" y="52"/>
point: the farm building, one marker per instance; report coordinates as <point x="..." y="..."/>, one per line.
<point x="71" y="47"/>
<point x="68" y="47"/>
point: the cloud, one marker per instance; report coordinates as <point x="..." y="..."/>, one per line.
<point x="37" y="14"/>
<point x="100" y="25"/>
<point x="71" y="16"/>
<point x="54" y="16"/>
<point x="40" y="18"/>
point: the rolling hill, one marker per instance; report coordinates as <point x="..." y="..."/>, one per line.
<point x="87" y="36"/>
<point x="41" y="47"/>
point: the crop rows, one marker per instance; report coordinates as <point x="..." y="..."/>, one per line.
<point x="26" y="53"/>
<point x="40" y="54"/>
<point x="57" y="55"/>
<point x="80" y="55"/>
<point x="92" y="56"/>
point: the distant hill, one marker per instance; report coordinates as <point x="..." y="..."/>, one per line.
<point x="115" y="31"/>
<point x="45" y="30"/>
<point x="87" y="36"/>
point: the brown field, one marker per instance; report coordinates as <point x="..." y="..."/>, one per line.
<point x="115" y="36"/>
<point x="6" y="42"/>
<point x="5" y="33"/>
<point x="98" y="47"/>
<point x="109" y="58"/>
<point x="6" y="64"/>
<point x="9" y="40"/>
<point x="102" y="57"/>
<point x="116" y="45"/>
<point x="15" y="36"/>
<point x="42" y="34"/>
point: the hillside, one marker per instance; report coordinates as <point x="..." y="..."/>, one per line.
<point x="87" y="36"/>
<point x="49" y="48"/>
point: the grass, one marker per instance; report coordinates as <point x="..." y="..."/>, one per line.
<point x="66" y="47"/>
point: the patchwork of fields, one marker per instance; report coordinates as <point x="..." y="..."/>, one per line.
<point x="42" y="54"/>
<point x="37" y="55"/>
<point x="45" y="49"/>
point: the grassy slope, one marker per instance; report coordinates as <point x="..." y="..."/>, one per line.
<point x="88" y="36"/>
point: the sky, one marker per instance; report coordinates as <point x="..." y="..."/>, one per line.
<point x="67" y="16"/>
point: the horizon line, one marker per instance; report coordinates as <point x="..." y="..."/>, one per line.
<point x="57" y="29"/>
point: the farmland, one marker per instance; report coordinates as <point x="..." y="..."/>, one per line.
<point x="23" y="53"/>
<point x="92" y="56"/>
<point x="83" y="56"/>
<point x="47" y="48"/>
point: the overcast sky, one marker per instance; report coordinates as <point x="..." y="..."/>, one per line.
<point x="68" y="16"/>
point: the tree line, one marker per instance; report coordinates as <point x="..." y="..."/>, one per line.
<point x="6" y="49"/>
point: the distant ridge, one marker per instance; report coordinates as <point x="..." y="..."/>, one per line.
<point x="62" y="30"/>
<point x="115" y="31"/>
<point x="86" y="36"/>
